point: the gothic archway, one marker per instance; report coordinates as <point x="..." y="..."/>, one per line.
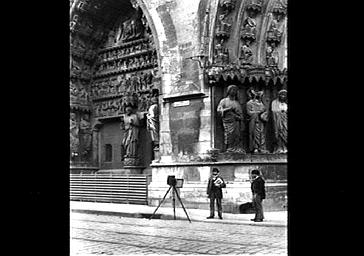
<point x="115" y="62"/>
<point x="248" y="48"/>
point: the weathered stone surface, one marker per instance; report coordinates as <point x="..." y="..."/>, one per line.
<point x="236" y="175"/>
<point x="188" y="131"/>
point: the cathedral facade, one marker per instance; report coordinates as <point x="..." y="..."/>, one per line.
<point x="163" y="88"/>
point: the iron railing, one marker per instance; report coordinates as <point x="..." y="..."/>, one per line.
<point x="113" y="188"/>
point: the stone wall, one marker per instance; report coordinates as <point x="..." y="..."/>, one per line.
<point x="235" y="174"/>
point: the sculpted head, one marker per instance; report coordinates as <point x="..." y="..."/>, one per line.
<point x="73" y="116"/>
<point x="129" y="108"/>
<point x="232" y="91"/>
<point x="282" y="95"/>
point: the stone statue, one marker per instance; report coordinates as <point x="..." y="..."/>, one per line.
<point x="231" y="112"/>
<point x="272" y="56"/>
<point x="224" y="25"/>
<point x="246" y="55"/>
<point x="85" y="128"/>
<point x="222" y="54"/>
<point x="97" y="109"/>
<point x="73" y="92"/>
<point x="131" y="135"/>
<point x="153" y="122"/>
<point x="258" y="116"/>
<point x="75" y="68"/>
<point x="279" y="113"/>
<point x="273" y="34"/>
<point x="128" y="30"/>
<point x="83" y="94"/>
<point x="74" y="140"/>
<point x="249" y="25"/>
<point x="111" y="38"/>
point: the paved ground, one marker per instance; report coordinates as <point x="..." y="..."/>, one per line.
<point x="113" y="235"/>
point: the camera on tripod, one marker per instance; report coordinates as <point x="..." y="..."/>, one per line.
<point x="172" y="181"/>
<point x="173" y="184"/>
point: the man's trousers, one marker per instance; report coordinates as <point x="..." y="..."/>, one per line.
<point x="212" y="205"/>
<point x="257" y="202"/>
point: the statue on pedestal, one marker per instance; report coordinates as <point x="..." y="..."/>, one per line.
<point x="131" y="127"/>
<point x="74" y="140"/>
<point x="249" y="28"/>
<point x="246" y="55"/>
<point x="273" y="33"/>
<point x="231" y="112"/>
<point x="258" y="116"/>
<point x="279" y="113"/>
<point x="272" y="56"/>
<point x="73" y="92"/>
<point x="85" y="128"/>
<point x="221" y="53"/>
<point x="153" y="122"/>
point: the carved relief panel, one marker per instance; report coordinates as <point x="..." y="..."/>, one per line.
<point x="262" y="128"/>
<point x="249" y="54"/>
<point x="274" y="35"/>
<point x="125" y="84"/>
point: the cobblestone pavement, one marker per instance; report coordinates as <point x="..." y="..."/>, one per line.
<point x="112" y="235"/>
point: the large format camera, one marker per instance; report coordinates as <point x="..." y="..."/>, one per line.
<point x="172" y="181"/>
<point x="173" y="184"/>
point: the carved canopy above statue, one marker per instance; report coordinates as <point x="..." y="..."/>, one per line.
<point x="232" y="72"/>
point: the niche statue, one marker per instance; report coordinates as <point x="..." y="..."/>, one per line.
<point x="258" y="117"/>
<point x="231" y="112"/>
<point x="74" y="140"/>
<point x="153" y="122"/>
<point x="85" y="127"/>
<point x="131" y="135"/>
<point x="279" y="113"/>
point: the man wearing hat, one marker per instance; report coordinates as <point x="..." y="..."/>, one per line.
<point x="258" y="191"/>
<point x="214" y="191"/>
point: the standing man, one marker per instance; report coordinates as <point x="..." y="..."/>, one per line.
<point x="258" y="191"/>
<point x="214" y="191"/>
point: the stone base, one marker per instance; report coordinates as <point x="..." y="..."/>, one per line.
<point x="125" y="170"/>
<point x="83" y="169"/>
<point x="235" y="174"/>
<point x="131" y="161"/>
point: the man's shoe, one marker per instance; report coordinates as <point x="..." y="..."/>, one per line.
<point x="220" y="217"/>
<point x="258" y="220"/>
<point x="252" y="219"/>
<point x="210" y="217"/>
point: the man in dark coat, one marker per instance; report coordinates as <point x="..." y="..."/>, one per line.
<point x="258" y="191"/>
<point x="214" y="191"/>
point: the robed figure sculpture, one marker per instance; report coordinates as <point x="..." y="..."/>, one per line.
<point x="258" y="117"/>
<point x="231" y="112"/>
<point x="279" y="113"/>
<point x="153" y="122"/>
<point x="131" y="128"/>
